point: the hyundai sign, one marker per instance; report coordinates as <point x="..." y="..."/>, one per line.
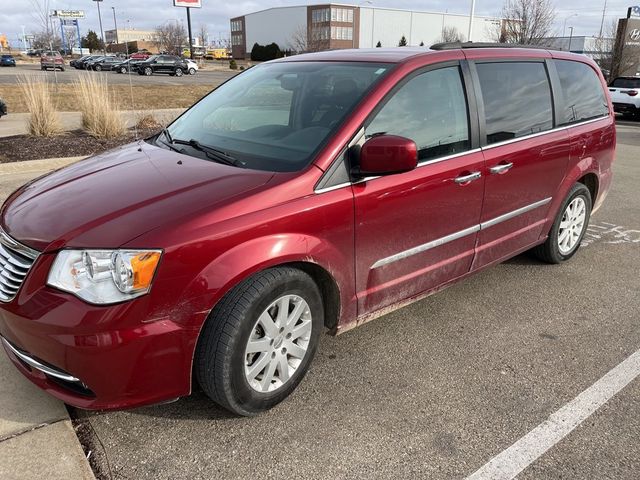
<point x="633" y="11"/>
<point x="188" y="3"/>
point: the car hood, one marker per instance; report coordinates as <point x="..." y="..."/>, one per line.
<point x="107" y="200"/>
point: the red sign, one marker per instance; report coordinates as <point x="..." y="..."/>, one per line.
<point x="188" y="3"/>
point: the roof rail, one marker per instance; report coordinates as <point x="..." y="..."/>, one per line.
<point x="456" y="45"/>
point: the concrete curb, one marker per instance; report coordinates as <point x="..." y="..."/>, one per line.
<point x="31" y="166"/>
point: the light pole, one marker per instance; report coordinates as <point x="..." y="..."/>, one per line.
<point x="471" y="15"/>
<point x="570" y="37"/>
<point x="115" y="23"/>
<point x="564" y="25"/>
<point x="101" y="31"/>
<point x="604" y="10"/>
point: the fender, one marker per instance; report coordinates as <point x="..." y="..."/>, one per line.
<point x="235" y="265"/>
<point x="580" y="169"/>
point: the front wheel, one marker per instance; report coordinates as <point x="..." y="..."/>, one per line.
<point x="259" y="340"/>
<point x="148" y="71"/>
<point x="123" y="70"/>
<point x="97" y="68"/>
<point x="568" y="228"/>
<point x="192" y="71"/>
<point x="178" y="72"/>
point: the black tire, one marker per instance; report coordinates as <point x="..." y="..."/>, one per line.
<point x="192" y="71"/>
<point x="123" y="70"/>
<point x="179" y="72"/>
<point x="220" y="354"/>
<point x="97" y="68"/>
<point x="549" y="251"/>
<point x="148" y="71"/>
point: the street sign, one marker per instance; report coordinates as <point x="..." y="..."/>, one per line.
<point x="188" y="3"/>
<point x="68" y="13"/>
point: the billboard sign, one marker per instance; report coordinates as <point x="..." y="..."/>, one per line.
<point x="188" y="3"/>
<point x="68" y="13"/>
<point x="633" y="11"/>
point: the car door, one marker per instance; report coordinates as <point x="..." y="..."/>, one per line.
<point x="526" y="157"/>
<point x="417" y="230"/>
<point x="161" y="65"/>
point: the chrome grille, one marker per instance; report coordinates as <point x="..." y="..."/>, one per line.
<point x="15" y="261"/>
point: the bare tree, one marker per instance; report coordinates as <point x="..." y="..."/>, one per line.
<point x="170" y="36"/>
<point x="204" y="34"/>
<point x="71" y="38"/>
<point x="302" y="41"/>
<point x="450" y="34"/>
<point x="526" y="22"/>
<point x="46" y="35"/>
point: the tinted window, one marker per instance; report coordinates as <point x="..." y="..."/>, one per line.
<point x="582" y="91"/>
<point x="517" y="99"/>
<point x="431" y="110"/>
<point x="626" y="83"/>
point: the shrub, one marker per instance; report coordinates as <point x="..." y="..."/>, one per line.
<point x="100" y="116"/>
<point x="147" y="122"/>
<point x="241" y="67"/>
<point x="263" y="53"/>
<point x="233" y="65"/>
<point x="44" y="120"/>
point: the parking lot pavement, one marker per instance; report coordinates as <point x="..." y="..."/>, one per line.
<point x="437" y="389"/>
<point x="203" y="77"/>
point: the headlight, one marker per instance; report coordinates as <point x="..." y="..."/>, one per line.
<point x="104" y="276"/>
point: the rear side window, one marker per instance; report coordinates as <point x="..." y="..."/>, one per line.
<point x="431" y="110"/>
<point x="626" y="83"/>
<point x="517" y="99"/>
<point x="582" y="91"/>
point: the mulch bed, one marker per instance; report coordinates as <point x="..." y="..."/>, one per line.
<point x="70" y="144"/>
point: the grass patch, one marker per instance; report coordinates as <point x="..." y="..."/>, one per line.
<point x="100" y="115"/>
<point x="36" y="94"/>
<point x="65" y="97"/>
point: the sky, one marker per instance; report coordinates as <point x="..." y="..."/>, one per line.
<point x="146" y="14"/>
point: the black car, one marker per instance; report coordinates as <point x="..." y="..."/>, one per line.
<point x="74" y="63"/>
<point x="3" y="108"/>
<point x="81" y="64"/>
<point x="126" y="66"/>
<point x="169" y="64"/>
<point x="104" y="63"/>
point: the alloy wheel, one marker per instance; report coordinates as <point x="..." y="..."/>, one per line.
<point x="278" y="343"/>
<point x="572" y="225"/>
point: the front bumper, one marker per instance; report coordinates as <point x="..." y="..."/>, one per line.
<point x="97" y="357"/>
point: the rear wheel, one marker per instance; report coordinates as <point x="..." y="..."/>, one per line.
<point x="178" y="72"/>
<point x="259" y="340"/>
<point x="568" y="228"/>
<point x="148" y="71"/>
<point x="123" y="70"/>
<point x="97" y="68"/>
<point x="192" y="71"/>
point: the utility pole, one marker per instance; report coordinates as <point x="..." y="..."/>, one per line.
<point x="570" y="36"/>
<point x="115" y="23"/>
<point x="101" y="31"/>
<point x="471" y="15"/>
<point x="604" y="10"/>
<point x="190" y="37"/>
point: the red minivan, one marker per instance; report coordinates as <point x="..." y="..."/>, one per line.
<point x="314" y="192"/>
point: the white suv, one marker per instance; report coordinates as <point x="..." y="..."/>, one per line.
<point x="625" y="95"/>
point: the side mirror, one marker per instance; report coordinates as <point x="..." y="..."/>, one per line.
<point x="387" y="154"/>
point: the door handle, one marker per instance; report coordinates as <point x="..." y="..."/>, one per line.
<point x="503" y="167"/>
<point x="467" y="178"/>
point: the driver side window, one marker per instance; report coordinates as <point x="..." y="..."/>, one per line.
<point x="431" y="110"/>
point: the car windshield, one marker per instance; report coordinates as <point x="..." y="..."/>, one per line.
<point x="276" y="116"/>
<point x="626" y="83"/>
<point x="153" y="57"/>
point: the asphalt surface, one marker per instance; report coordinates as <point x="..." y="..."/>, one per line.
<point x="438" y="388"/>
<point x="9" y="75"/>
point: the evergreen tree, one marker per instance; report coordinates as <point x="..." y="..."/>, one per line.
<point x="403" y="42"/>
<point x="378" y="45"/>
<point x="91" y="41"/>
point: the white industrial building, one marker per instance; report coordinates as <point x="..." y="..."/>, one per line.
<point x="334" y="26"/>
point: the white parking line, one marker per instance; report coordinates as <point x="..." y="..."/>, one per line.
<point x="510" y="462"/>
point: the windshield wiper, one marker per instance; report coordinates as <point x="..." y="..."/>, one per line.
<point x="169" y="140"/>
<point x="213" y="153"/>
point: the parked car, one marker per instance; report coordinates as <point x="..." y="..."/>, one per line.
<point x="75" y="62"/>
<point x="169" y="64"/>
<point x="105" y="63"/>
<point x="625" y="95"/>
<point x="82" y="64"/>
<point x="7" y="61"/>
<point x="126" y="66"/>
<point x="192" y="67"/>
<point x="3" y="108"/>
<point x="51" y="59"/>
<point x="314" y="192"/>
<point x="141" y="55"/>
